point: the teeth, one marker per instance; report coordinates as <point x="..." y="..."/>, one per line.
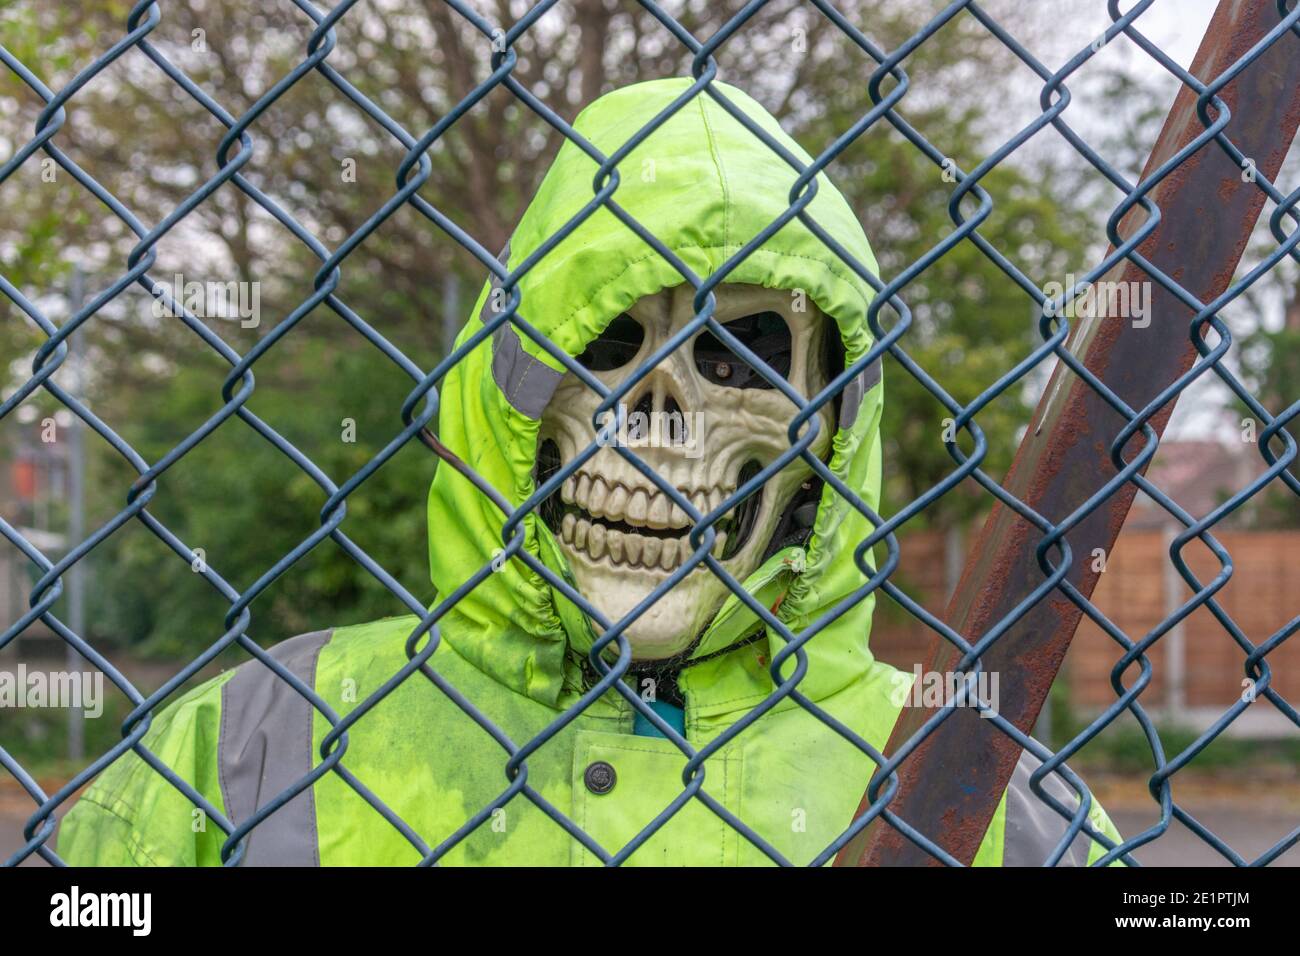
<point x="596" y="504"/>
<point x="659" y="515"/>
<point x="617" y="503"/>
<point x="637" y="507"/>
<point x="596" y="541"/>
<point x="640" y="507"/>
<point x="633" y="550"/>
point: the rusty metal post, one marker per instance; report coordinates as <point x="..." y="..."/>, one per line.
<point x="951" y="784"/>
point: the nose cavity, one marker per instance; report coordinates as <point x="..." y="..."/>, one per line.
<point x="660" y="395"/>
<point x="659" y="407"/>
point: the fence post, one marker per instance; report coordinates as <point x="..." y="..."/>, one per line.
<point x="950" y="785"/>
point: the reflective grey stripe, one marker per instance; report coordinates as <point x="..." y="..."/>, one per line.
<point x="853" y="393"/>
<point x="527" y="383"/>
<point x="1033" y="828"/>
<point x="265" y="747"/>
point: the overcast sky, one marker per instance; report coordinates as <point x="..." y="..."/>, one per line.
<point x="1177" y="27"/>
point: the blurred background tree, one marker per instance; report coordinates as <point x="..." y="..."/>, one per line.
<point x="331" y="167"/>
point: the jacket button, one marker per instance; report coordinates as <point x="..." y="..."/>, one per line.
<point x="600" y="777"/>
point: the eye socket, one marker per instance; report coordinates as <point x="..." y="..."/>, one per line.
<point x="763" y="333"/>
<point x="614" y="347"/>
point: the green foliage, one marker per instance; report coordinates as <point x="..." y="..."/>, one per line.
<point x="34" y="736"/>
<point x="246" y="505"/>
<point x="1271" y="366"/>
<point x="1124" y="750"/>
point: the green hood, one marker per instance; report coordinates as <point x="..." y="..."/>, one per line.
<point x="714" y="187"/>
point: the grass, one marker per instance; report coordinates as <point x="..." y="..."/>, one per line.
<point x="1123" y="749"/>
<point x="38" y="738"/>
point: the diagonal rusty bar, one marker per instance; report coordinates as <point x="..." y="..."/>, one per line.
<point x="951" y="784"/>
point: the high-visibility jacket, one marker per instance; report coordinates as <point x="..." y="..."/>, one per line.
<point x="419" y="772"/>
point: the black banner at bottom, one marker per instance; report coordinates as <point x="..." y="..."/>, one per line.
<point x="333" y="906"/>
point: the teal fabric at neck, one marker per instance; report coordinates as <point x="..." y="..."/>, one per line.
<point x="674" y="717"/>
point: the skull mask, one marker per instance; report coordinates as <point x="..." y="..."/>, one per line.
<point x="705" y="422"/>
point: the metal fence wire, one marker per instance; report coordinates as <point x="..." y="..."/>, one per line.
<point x="884" y="94"/>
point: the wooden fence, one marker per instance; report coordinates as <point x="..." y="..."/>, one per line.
<point x="1198" y="668"/>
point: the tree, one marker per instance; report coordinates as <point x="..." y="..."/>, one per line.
<point x="331" y="167"/>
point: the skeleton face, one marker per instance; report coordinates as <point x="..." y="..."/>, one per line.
<point x="705" y="422"/>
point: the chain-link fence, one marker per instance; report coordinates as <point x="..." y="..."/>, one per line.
<point x="1082" y="460"/>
